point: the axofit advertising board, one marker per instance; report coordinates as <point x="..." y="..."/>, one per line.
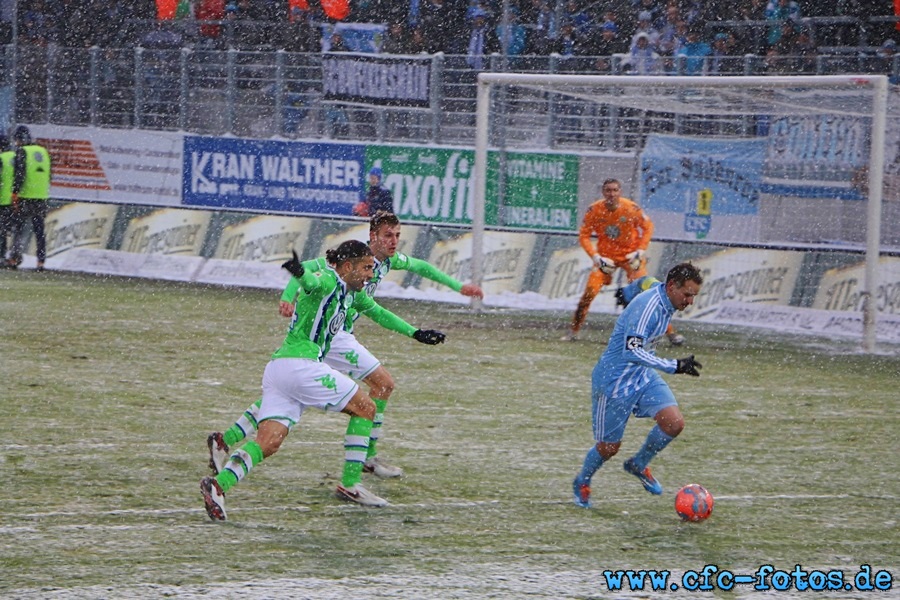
<point x="702" y="189"/>
<point x="437" y="186"/>
<point x="272" y="176"/>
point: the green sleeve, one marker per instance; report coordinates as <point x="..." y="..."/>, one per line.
<point x="367" y="306"/>
<point x="293" y="285"/>
<point x="426" y="270"/>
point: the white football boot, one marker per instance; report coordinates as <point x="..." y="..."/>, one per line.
<point x="360" y="495"/>
<point x="379" y="468"/>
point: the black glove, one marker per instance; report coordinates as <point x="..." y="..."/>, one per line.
<point x="432" y="337"/>
<point x="294" y="266"/>
<point x="688" y="366"/>
<point x="620" y="297"/>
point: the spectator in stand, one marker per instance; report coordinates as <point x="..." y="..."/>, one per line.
<point x="567" y="44"/>
<point x="607" y="44"/>
<point x="680" y="38"/>
<point x="442" y="24"/>
<point x="777" y="13"/>
<point x="396" y="39"/>
<point x="417" y="43"/>
<point x="300" y="34"/>
<point x="695" y="54"/>
<point x="723" y="60"/>
<point x="517" y="34"/>
<point x="78" y="24"/>
<point x="645" y="27"/>
<point x="271" y="10"/>
<point x="37" y="26"/>
<point x="337" y="43"/>
<point x="667" y="27"/>
<point x="651" y="7"/>
<point x="885" y="61"/>
<point x="544" y="30"/>
<point x="794" y="52"/>
<point x="752" y="10"/>
<point x="699" y="11"/>
<point x="804" y="51"/>
<point x="207" y="12"/>
<point x="642" y="59"/>
<point x="482" y="41"/>
<point x="622" y="31"/>
<point x="579" y="18"/>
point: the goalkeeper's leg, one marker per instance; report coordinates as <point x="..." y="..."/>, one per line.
<point x="596" y="280"/>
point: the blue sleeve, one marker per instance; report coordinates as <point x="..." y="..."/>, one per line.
<point x="644" y="324"/>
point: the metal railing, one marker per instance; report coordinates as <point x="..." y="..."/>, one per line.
<point x="278" y="93"/>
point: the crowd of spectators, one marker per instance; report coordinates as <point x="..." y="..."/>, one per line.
<point x="651" y="35"/>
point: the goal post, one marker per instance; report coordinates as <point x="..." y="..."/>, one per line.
<point x="701" y="108"/>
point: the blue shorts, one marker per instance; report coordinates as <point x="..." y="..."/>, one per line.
<point x="610" y="415"/>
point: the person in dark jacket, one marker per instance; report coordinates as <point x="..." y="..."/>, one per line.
<point x="378" y="198"/>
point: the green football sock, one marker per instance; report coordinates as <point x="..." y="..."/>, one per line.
<point x="380" y="405"/>
<point x="244" y="458"/>
<point x="244" y="426"/>
<point x="355" y="443"/>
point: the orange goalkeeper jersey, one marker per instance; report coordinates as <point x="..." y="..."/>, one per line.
<point x="619" y="232"/>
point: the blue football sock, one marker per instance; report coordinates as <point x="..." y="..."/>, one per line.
<point x="655" y="442"/>
<point x="592" y="462"/>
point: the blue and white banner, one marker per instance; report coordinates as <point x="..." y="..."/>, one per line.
<point x="270" y="176"/>
<point x="817" y="156"/>
<point x="702" y="189"/>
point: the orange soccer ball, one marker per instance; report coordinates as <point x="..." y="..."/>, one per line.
<point x="693" y="502"/>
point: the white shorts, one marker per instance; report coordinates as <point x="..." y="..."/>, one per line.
<point x="289" y="385"/>
<point x="348" y="356"/>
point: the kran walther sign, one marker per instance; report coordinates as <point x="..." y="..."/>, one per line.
<point x="382" y="81"/>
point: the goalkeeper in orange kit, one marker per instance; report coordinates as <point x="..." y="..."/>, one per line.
<point x="622" y="233"/>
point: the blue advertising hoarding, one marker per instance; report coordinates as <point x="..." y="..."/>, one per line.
<point x="273" y="176"/>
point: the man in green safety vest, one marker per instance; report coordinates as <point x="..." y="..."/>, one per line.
<point x="6" y="180"/>
<point x="30" y="193"/>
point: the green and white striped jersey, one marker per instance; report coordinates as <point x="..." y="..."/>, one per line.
<point x="322" y="304"/>
<point x="398" y="261"/>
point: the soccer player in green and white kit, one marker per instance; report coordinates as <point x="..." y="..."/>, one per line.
<point x="346" y="354"/>
<point x="296" y="377"/>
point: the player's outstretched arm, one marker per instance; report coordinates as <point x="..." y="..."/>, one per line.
<point x="368" y="307"/>
<point x="428" y="271"/>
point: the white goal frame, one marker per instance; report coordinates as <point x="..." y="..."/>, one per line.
<point x="878" y="83"/>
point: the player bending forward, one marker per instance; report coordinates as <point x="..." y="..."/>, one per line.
<point x="296" y="377"/>
<point x="625" y="381"/>
<point x="346" y="354"/>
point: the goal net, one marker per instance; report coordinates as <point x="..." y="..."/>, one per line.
<point x="781" y="162"/>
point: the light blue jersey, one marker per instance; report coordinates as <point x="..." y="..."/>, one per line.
<point x="629" y="364"/>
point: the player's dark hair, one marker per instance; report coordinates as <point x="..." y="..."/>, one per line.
<point x="383" y="217"/>
<point x="606" y="182"/>
<point x="349" y="250"/>
<point x="684" y="272"/>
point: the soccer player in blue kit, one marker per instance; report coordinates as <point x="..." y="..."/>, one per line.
<point x="625" y="381"/>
